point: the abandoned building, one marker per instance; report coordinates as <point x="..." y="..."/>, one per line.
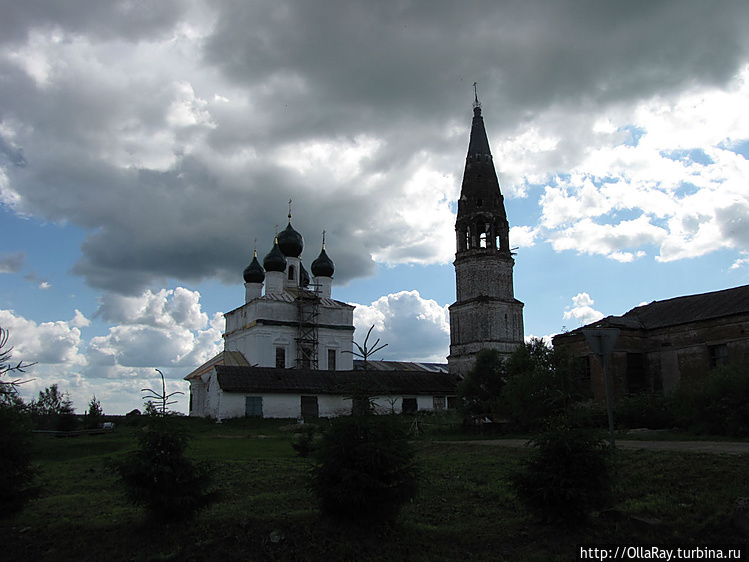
<point x="668" y="341"/>
<point x="486" y="313"/>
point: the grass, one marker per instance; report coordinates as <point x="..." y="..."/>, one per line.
<point x="465" y="510"/>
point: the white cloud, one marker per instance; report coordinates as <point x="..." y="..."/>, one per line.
<point x="166" y="328"/>
<point x="54" y="343"/>
<point x="415" y="329"/>
<point x="582" y="310"/>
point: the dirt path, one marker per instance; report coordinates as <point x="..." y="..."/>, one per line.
<point x="724" y="447"/>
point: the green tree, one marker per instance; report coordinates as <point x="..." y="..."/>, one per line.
<point x="158" y="476"/>
<point x="568" y="476"/>
<point x="479" y="392"/>
<point x="365" y="469"/>
<point x="95" y="414"/>
<point x="541" y="382"/>
<point x="54" y="409"/>
<point x="16" y="471"/>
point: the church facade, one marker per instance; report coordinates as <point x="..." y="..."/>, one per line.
<point x="288" y="351"/>
<point x="486" y="313"/>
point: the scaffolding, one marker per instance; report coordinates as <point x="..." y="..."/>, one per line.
<point x="308" y="311"/>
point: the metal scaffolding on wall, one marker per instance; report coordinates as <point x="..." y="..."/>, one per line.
<point x="308" y="311"/>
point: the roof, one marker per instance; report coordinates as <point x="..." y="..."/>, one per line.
<point x="267" y="379"/>
<point x="223" y="358"/>
<point x="401" y="366"/>
<point x="682" y="310"/>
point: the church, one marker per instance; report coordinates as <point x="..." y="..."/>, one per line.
<point x="288" y="350"/>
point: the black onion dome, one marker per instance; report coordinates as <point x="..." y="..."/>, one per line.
<point x="323" y="265"/>
<point x="275" y="260"/>
<point x="304" y="276"/>
<point x="254" y="273"/>
<point x="290" y="242"/>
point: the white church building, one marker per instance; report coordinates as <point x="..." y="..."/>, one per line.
<point x="288" y="350"/>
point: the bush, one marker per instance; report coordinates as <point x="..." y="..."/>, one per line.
<point x="718" y="405"/>
<point x="158" y="477"/>
<point x="479" y="391"/>
<point x="541" y="382"/>
<point x="568" y="477"/>
<point x="365" y="469"/>
<point x="16" y="471"/>
<point x="649" y="410"/>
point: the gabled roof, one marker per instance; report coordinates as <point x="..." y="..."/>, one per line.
<point x="223" y="358"/>
<point x="267" y="379"/>
<point x="683" y="310"/>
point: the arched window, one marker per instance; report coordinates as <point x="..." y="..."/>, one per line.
<point x="482" y="240"/>
<point x="291" y="273"/>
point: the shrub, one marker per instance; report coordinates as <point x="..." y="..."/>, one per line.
<point x="303" y="443"/>
<point x="717" y="405"/>
<point x="365" y="469"/>
<point x="649" y="410"/>
<point x="541" y="382"/>
<point x="16" y="471"/>
<point x="569" y="475"/>
<point x="479" y="391"/>
<point x="158" y="477"/>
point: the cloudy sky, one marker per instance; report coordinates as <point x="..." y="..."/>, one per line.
<point x="144" y="146"/>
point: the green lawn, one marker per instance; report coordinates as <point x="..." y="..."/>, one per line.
<point x="465" y="509"/>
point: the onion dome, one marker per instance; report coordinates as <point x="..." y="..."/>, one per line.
<point x="323" y="265"/>
<point x="275" y="260"/>
<point x="290" y="242"/>
<point x="254" y="273"/>
<point x="303" y="276"/>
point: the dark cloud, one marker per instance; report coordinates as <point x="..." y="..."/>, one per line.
<point x="175" y="132"/>
<point x="12" y="262"/>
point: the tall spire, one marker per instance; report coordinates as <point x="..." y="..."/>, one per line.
<point x="479" y="143"/>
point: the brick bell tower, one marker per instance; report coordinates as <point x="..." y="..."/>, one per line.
<point x="486" y="313"/>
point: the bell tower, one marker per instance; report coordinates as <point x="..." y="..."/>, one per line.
<point x="486" y="313"/>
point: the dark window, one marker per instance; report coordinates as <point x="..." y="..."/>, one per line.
<point x="718" y="355"/>
<point x="280" y="358"/>
<point x="253" y="406"/>
<point x="452" y="402"/>
<point x="479" y="201"/>
<point x="291" y="273"/>
<point x="410" y="406"/>
<point x="331" y="360"/>
<point x="636" y="379"/>
<point x="310" y="408"/>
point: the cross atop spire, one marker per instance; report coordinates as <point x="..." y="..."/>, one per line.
<point x="323" y="239"/>
<point x="476" y="102"/>
<point x="289" y="210"/>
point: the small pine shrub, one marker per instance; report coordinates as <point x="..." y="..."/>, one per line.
<point x="365" y="469"/>
<point x="568" y="477"/>
<point x="158" y="477"/>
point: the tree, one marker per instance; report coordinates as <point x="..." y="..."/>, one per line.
<point x="16" y="471"/>
<point x="540" y="382"/>
<point x="95" y="414"/>
<point x="158" y="476"/>
<point x="362" y="393"/>
<point x="54" y="409"/>
<point x="162" y="398"/>
<point x="365" y="469"/>
<point x="479" y="392"/>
